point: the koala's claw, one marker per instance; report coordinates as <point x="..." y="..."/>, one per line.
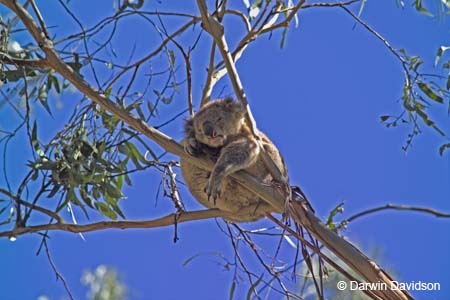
<point x="213" y="190"/>
<point x="191" y="147"/>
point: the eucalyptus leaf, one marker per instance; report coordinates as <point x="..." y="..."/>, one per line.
<point x="105" y="210"/>
<point x="252" y="288"/>
<point x="443" y="148"/>
<point x="429" y="92"/>
<point x="439" y="54"/>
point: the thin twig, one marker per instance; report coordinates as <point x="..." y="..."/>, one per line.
<point x="397" y="207"/>
<point x="58" y="274"/>
<point x="153" y="53"/>
<point x="322" y="4"/>
<point x="321" y="254"/>
<point x="33" y="206"/>
<point x="40" y="19"/>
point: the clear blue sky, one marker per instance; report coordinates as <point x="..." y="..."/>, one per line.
<point x="319" y="100"/>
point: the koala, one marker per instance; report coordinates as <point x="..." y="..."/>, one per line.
<point x="219" y="133"/>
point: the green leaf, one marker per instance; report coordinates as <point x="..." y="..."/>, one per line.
<point x="283" y="37"/>
<point x="105" y="210"/>
<point x="422" y="9"/>
<point x="417" y="65"/>
<point x="108" y="92"/>
<point x="117" y="209"/>
<point x="16" y="75"/>
<point x="135" y="153"/>
<point x="233" y="287"/>
<point x="252" y="290"/>
<point x="53" y="81"/>
<point x="128" y="180"/>
<point x="87" y="198"/>
<point x="120" y="181"/>
<point x="96" y="193"/>
<point x="72" y="197"/>
<point x="35" y="175"/>
<point x="43" y="98"/>
<point x="429" y="92"/>
<point x="438" y="130"/>
<point x="190" y="259"/>
<point x="330" y="220"/>
<point x="123" y="149"/>
<point x="440" y="52"/>
<point x="157" y="93"/>
<point x="54" y="191"/>
<point x="167" y="100"/>
<point x="113" y="191"/>
<point x="384" y="118"/>
<point x="150" y="107"/>
<point x="171" y="59"/>
<point x="424" y="117"/>
<point x="35" y="142"/>
<point x="140" y="112"/>
<point x="443" y="148"/>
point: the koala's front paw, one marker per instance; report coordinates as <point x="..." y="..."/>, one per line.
<point x="192" y="147"/>
<point x="213" y="189"/>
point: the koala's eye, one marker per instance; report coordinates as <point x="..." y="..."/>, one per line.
<point x="219" y="119"/>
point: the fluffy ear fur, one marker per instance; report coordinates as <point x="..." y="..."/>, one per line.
<point x="228" y="101"/>
<point x="189" y="126"/>
<point x="231" y="105"/>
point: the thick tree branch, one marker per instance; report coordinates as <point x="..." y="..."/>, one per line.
<point x="209" y="84"/>
<point x="160" y="222"/>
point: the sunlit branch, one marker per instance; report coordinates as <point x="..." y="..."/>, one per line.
<point x="167" y="220"/>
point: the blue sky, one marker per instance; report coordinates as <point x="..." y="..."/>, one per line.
<point x="319" y="99"/>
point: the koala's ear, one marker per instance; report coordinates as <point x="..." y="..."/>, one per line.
<point x="233" y="106"/>
<point x="239" y="107"/>
<point x="228" y="101"/>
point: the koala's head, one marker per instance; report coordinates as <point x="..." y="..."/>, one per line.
<point x="217" y="120"/>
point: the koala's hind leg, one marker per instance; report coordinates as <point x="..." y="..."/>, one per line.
<point x="237" y="155"/>
<point x="252" y="212"/>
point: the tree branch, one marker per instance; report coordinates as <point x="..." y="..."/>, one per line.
<point x="397" y="207"/>
<point x="160" y="222"/>
<point x="33" y="206"/>
<point x="35" y="63"/>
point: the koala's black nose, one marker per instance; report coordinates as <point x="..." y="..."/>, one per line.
<point x="208" y="128"/>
